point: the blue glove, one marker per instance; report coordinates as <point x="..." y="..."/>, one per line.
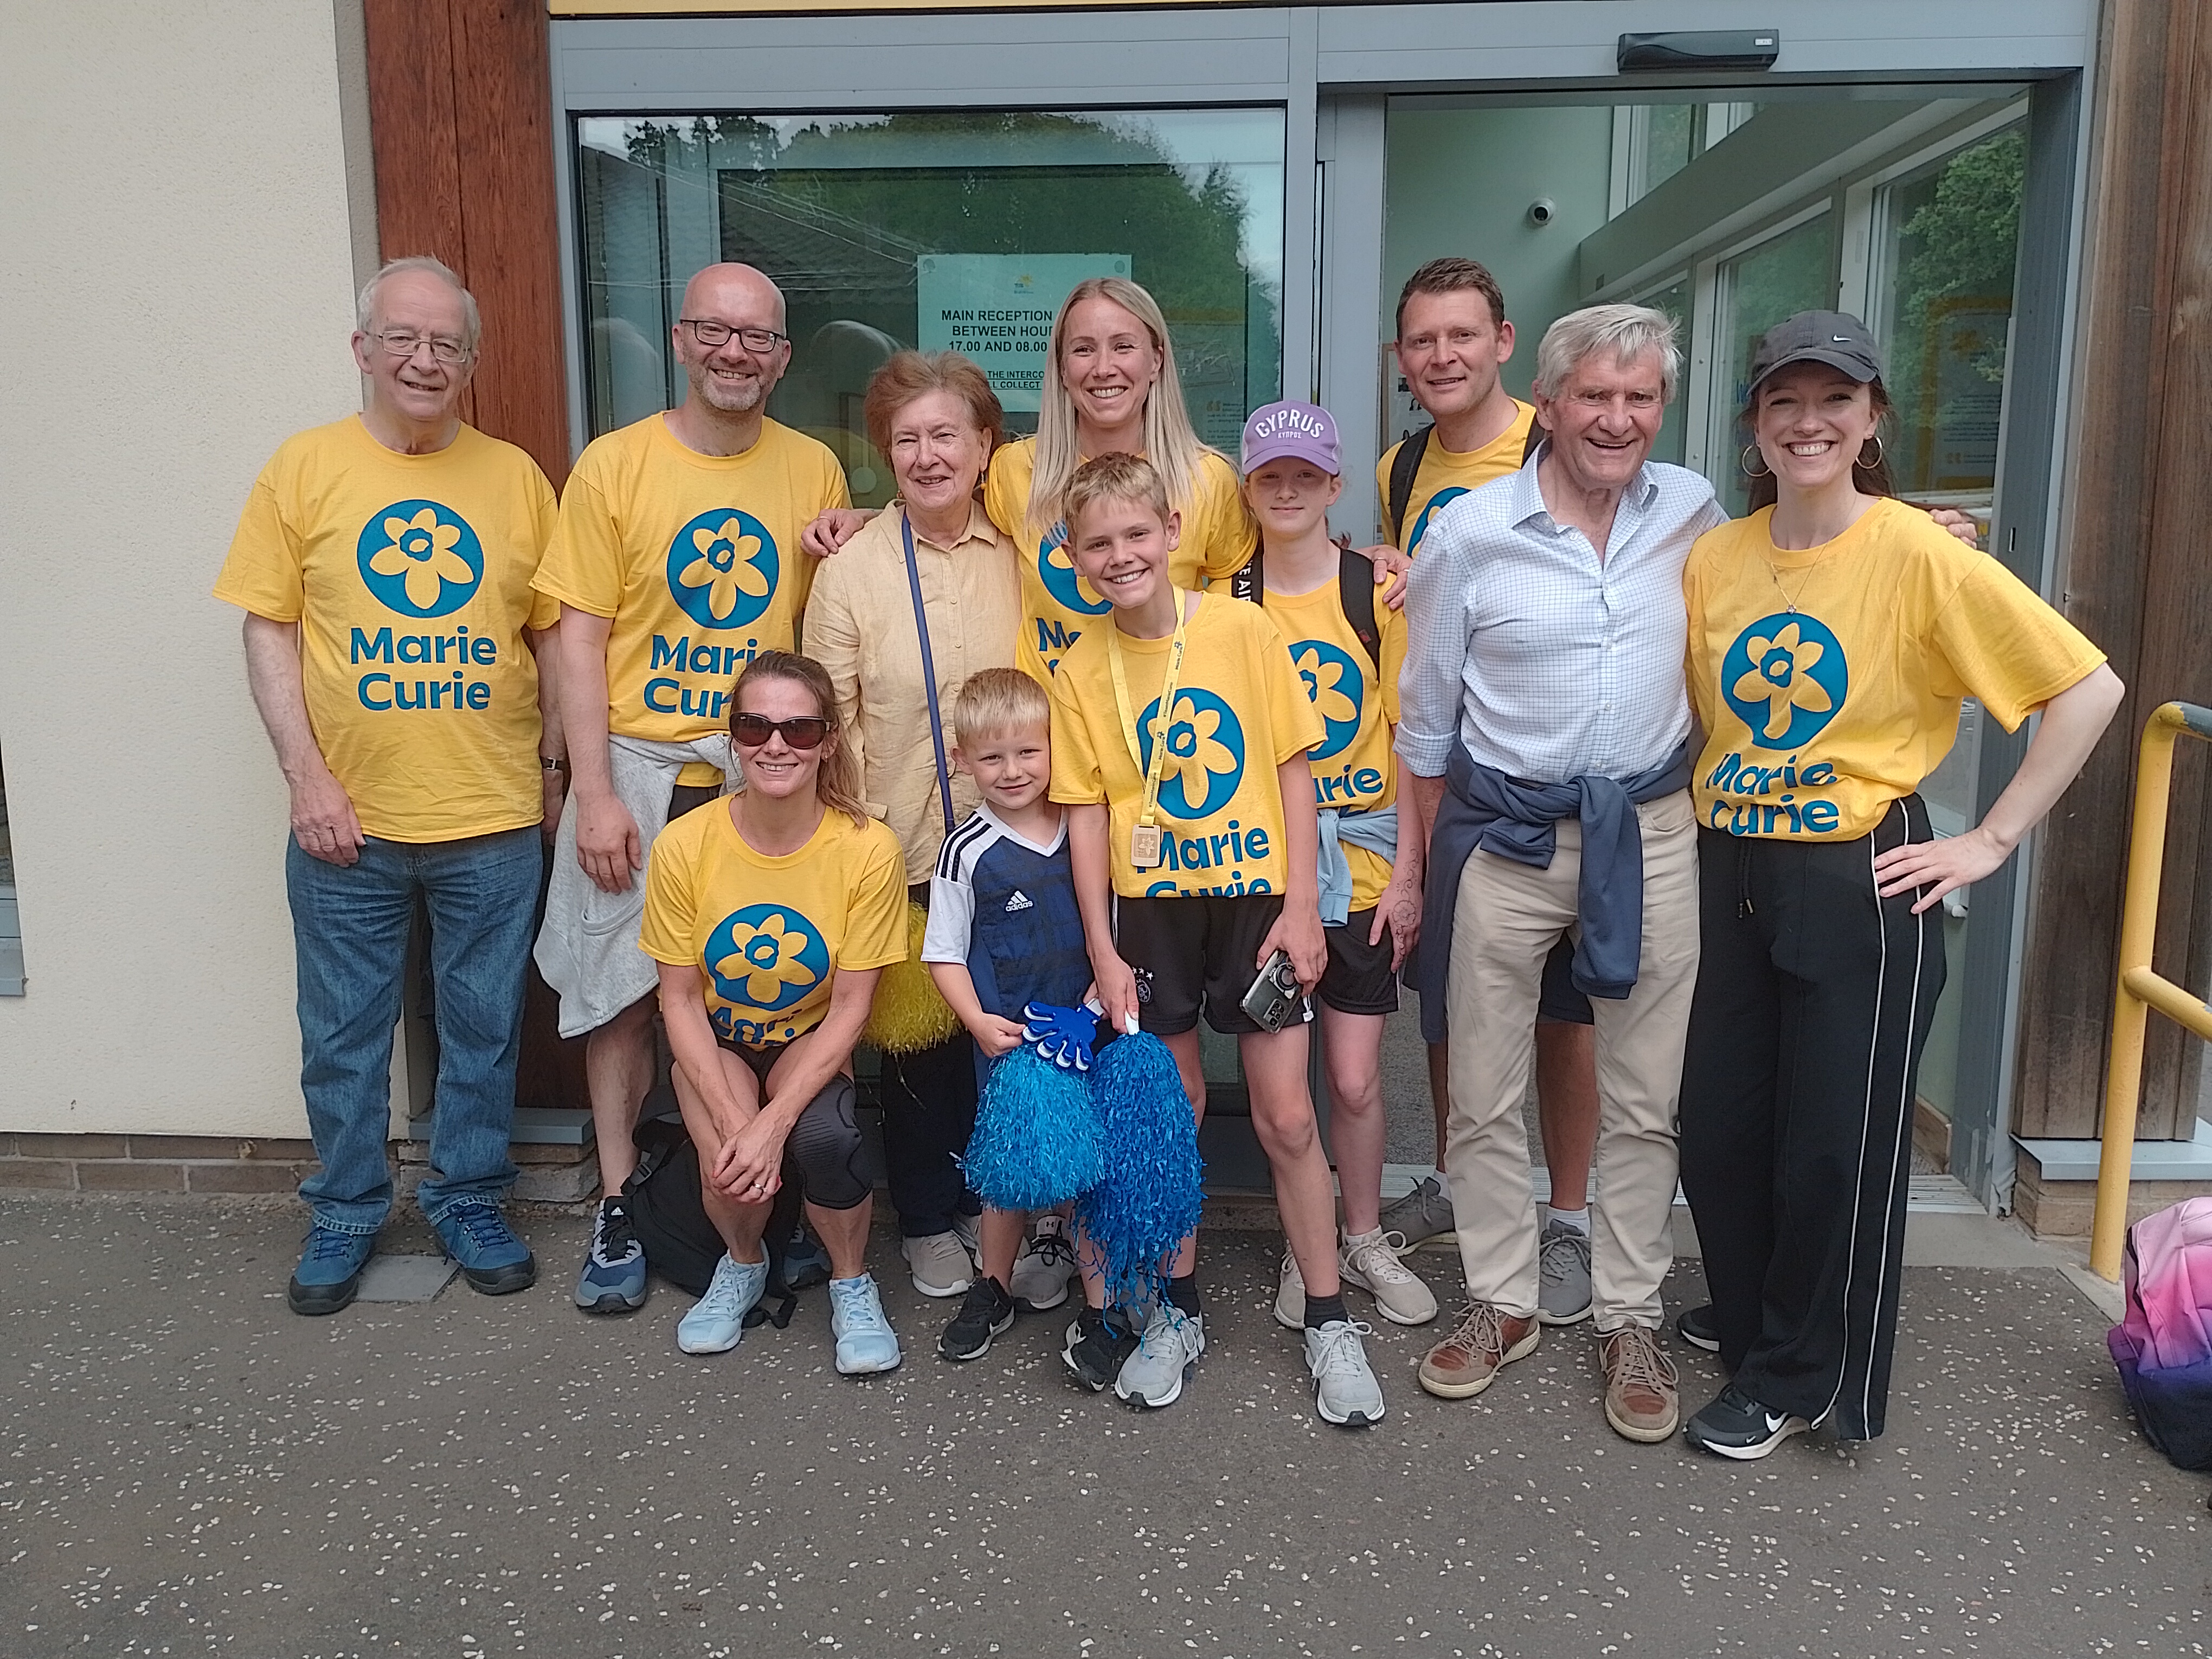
<point x="1062" y="1036"/>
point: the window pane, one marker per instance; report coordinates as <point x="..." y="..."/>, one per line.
<point x="1783" y="275"/>
<point x="1946" y="273"/>
<point x="1674" y="301"/>
<point x="936" y="229"/>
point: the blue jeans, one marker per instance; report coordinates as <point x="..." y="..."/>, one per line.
<point x="350" y="927"/>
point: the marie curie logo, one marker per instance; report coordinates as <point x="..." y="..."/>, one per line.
<point x="1785" y="677"/>
<point x="1437" y="502"/>
<point x="1333" y="685"/>
<point x="420" y="559"/>
<point x="1056" y="569"/>
<point x="766" y="956"/>
<point x="1206" y="753"/>
<point x="722" y="568"/>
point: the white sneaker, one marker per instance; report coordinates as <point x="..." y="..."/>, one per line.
<point x="1346" y="1392"/>
<point x="1166" y="1355"/>
<point x="940" y="1264"/>
<point x="1371" y="1262"/>
<point x="1291" y="1294"/>
<point x="1044" y="1268"/>
<point x="969" y="1230"/>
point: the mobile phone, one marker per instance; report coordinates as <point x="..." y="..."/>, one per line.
<point x="1272" y="1002"/>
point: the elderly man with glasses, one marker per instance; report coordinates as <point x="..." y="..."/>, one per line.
<point x="383" y="563"/>
<point x="676" y="561"/>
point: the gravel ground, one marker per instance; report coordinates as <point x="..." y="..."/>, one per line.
<point x="186" y="1467"/>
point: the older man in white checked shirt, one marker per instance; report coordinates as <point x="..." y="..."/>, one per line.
<point x="1543" y="682"/>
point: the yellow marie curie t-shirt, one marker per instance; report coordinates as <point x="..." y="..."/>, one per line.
<point x="1444" y="475"/>
<point x="409" y="578"/>
<point x="1240" y="712"/>
<point x="1353" y="769"/>
<point x="1057" y="604"/>
<point x="1828" y="680"/>
<point x="768" y="935"/>
<point x="696" y="560"/>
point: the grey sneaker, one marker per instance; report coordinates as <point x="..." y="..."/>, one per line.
<point x="1043" y="1270"/>
<point x="1563" y="1273"/>
<point x="1346" y="1392"/>
<point x="1291" y="1294"/>
<point x="1371" y="1262"/>
<point x="1166" y="1355"/>
<point x="940" y="1265"/>
<point x="1422" y="1213"/>
<point x="969" y="1230"/>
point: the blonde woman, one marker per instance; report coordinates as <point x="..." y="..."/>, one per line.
<point x="771" y="913"/>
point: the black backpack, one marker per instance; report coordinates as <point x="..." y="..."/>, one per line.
<point x="680" y="1242"/>
<point x="1355" y="588"/>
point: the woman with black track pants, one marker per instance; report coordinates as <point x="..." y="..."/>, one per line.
<point x="1833" y="633"/>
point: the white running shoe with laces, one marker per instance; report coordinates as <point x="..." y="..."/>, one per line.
<point x="1165" y="1356"/>
<point x="1346" y="1392"/>
<point x="1371" y="1261"/>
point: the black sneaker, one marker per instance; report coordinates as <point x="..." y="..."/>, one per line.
<point x="1699" y="1328"/>
<point x="988" y="1312"/>
<point x="1096" y="1348"/>
<point x="1736" y="1425"/>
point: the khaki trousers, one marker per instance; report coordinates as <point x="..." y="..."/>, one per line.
<point x="1508" y="916"/>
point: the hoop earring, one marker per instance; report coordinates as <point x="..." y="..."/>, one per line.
<point x="1743" y="462"/>
<point x="1864" y="464"/>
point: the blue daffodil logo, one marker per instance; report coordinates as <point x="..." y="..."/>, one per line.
<point x="766" y="956"/>
<point x="1056" y="570"/>
<point x="1333" y="684"/>
<point x="722" y="568"/>
<point x="1206" y="753"/>
<point x="1437" y="502"/>
<point x="1786" y="678"/>
<point x="420" y="559"/>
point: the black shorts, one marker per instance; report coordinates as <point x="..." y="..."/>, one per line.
<point x="1558" y="1002"/>
<point x="690" y="797"/>
<point x="1196" y="953"/>
<point x="761" y="1062"/>
<point x="1358" y="979"/>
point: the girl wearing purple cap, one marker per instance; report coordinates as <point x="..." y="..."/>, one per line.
<point x="1371" y="895"/>
<point x="1832" y="634"/>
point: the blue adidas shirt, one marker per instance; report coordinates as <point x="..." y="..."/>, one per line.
<point x="1005" y="908"/>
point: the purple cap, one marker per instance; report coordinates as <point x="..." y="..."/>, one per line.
<point x="1306" y="431"/>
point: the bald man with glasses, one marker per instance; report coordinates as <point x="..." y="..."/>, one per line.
<point x="675" y="562"/>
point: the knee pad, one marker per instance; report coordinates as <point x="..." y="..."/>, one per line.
<point x="826" y="1143"/>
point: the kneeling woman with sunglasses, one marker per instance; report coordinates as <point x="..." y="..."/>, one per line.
<point x="770" y="915"/>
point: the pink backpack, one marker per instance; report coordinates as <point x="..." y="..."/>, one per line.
<point x="2164" y="1346"/>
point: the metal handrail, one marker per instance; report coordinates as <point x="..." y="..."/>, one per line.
<point x="2139" y="989"/>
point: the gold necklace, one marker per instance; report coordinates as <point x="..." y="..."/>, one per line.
<point x="1788" y="603"/>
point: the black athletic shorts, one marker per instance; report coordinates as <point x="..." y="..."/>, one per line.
<point x="1194" y="954"/>
<point x="761" y="1062"/>
<point x="690" y="797"/>
<point x="1558" y="1002"/>
<point x="1358" y="979"/>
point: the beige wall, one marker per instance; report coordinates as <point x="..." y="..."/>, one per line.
<point x="177" y="263"/>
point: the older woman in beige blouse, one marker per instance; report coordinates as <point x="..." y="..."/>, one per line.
<point x="934" y="415"/>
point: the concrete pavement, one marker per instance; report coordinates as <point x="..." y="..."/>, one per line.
<point x="187" y="1467"/>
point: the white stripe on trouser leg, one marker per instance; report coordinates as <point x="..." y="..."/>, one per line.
<point x="1897" y="1150"/>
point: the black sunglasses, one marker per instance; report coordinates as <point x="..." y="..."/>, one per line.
<point x="805" y="733"/>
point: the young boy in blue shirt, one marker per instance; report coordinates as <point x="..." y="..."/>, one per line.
<point x="1004" y="932"/>
<point x="1180" y="735"/>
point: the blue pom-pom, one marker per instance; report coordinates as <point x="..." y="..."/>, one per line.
<point x="1149" y="1198"/>
<point x="1035" y="1144"/>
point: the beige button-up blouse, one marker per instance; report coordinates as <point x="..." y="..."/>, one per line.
<point x="860" y="626"/>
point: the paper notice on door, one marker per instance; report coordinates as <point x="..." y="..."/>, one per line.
<point x="998" y="308"/>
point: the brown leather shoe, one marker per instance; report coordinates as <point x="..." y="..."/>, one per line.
<point x="1466" y="1362"/>
<point x="1641" y="1400"/>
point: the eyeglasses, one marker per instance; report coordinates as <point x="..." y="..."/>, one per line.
<point x="805" y="733"/>
<point x="400" y="344"/>
<point x="758" y="341"/>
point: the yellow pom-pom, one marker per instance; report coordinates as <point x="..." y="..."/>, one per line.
<point x="908" y="1015"/>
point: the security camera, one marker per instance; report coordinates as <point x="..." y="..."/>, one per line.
<point x="1542" y="211"/>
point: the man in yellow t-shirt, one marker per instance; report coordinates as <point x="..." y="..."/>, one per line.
<point x="1453" y="337"/>
<point x="383" y="563"/>
<point x="676" y="561"/>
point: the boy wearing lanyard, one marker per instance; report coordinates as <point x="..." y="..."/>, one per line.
<point x="1179" y="745"/>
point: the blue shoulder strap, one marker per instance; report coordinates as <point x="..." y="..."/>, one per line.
<point x="928" y="672"/>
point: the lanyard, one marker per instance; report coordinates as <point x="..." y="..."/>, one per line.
<point x="1163" y="721"/>
<point x="928" y="672"/>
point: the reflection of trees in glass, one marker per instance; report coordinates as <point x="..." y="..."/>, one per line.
<point x="1785" y="274"/>
<point x="1955" y="248"/>
<point x="838" y="214"/>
